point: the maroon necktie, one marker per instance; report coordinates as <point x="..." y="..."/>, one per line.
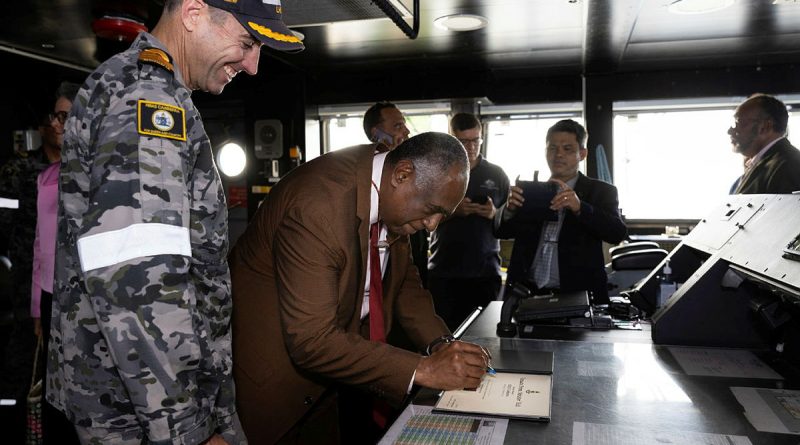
<point x="380" y="410"/>
<point x="376" y="329"/>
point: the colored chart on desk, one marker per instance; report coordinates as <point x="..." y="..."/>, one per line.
<point x="417" y="425"/>
<point x="435" y="429"/>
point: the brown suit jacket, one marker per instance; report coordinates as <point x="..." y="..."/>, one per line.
<point x="777" y="172"/>
<point x="298" y="276"/>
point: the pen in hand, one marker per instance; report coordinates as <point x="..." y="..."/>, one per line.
<point x="490" y="370"/>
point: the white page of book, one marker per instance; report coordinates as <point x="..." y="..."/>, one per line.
<point x="503" y="394"/>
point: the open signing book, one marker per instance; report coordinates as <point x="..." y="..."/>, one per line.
<point x="521" y="388"/>
<point x="518" y="396"/>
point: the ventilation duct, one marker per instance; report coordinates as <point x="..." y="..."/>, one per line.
<point x="395" y="16"/>
<point x="297" y="13"/>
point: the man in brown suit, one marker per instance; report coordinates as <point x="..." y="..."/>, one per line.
<point x="300" y="280"/>
<point x="772" y="164"/>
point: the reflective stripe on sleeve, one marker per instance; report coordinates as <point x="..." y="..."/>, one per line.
<point x="6" y="203"/>
<point x="134" y="241"/>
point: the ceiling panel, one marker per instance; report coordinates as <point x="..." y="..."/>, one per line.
<point x="577" y="36"/>
<point x="321" y="12"/>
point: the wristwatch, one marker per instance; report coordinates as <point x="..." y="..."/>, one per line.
<point x="444" y="339"/>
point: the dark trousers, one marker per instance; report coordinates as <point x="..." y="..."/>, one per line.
<point x="456" y="298"/>
<point x="355" y="420"/>
<point x="319" y="426"/>
<point x="15" y="379"/>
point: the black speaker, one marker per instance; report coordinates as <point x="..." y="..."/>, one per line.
<point x="268" y="139"/>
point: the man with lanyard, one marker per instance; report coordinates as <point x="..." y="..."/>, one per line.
<point x="567" y="254"/>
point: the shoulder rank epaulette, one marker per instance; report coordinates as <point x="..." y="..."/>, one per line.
<point x="155" y="56"/>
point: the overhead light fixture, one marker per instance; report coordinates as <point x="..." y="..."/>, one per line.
<point x="698" y="6"/>
<point x="231" y="159"/>
<point x="461" y="22"/>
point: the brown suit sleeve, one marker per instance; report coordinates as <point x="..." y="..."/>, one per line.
<point x="318" y="270"/>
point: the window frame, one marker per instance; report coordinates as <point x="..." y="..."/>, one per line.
<point x="327" y="113"/>
<point x="549" y="110"/>
<point x="656" y="225"/>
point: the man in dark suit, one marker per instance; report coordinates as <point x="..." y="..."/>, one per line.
<point x="772" y="164"/>
<point x="305" y="318"/>
<point x="566" y="254"/>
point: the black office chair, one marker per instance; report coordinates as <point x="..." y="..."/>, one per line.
<point x="631" y="247"/>
<point x="631" y="263"/>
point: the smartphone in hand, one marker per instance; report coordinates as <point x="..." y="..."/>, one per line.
<point x="537" y="201"/>
<point x="480" y="199"/>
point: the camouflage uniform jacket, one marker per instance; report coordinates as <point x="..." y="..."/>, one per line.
<point x="18" y="222"/>
<point x="141" y="322"/>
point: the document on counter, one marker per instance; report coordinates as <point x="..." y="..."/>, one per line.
<point x="505" y="394"/>
<point x="715" y="362"/>
<point x="770" y="410"/>
<point x="418" y="425"/>
<point x="602" y="434"/>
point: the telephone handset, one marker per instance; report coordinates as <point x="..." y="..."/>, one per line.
<point x="382" y="137"/>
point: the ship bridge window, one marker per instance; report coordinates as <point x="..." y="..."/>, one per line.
<point x="342" y="125"/>
<point x="516" y="136"/>
<point x="674" y="160"/>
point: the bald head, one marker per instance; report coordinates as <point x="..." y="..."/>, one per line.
<point x="432" y="154"/>
<point x="423" y="181"/>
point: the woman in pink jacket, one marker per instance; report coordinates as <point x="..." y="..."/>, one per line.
<point x="55" y="426"/>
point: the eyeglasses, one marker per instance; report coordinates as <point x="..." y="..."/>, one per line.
<point x="476" y="141"/>
<point x="60" y="116"/>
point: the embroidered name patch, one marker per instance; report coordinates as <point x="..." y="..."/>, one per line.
<point x="161" y="120"/>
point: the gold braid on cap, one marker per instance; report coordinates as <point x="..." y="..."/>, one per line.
<point x="264" y="31"/>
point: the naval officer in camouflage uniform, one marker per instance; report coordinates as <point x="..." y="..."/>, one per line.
<point x="141" y="347"/>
